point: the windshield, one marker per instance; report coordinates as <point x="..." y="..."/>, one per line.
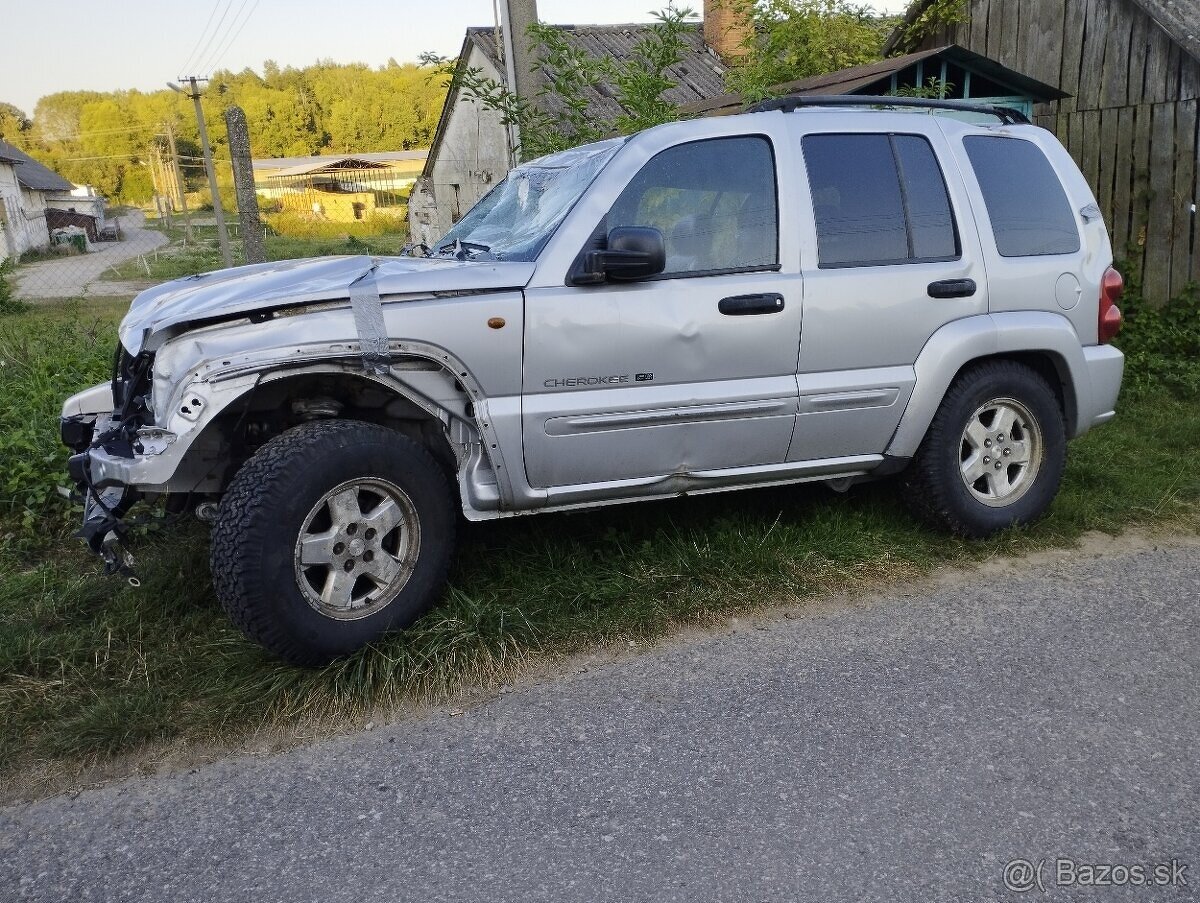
<point x="515" y="219"/>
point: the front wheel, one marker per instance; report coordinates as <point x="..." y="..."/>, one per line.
<point x="334" y="533"/>
<point x="994" y="455"/>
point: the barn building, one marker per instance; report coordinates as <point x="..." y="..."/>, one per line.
<point x="470" y="150"/>
<point x="1131" y="69"/>
<point x="26" y="187"/>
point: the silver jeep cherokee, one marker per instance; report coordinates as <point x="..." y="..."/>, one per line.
<point x="820" y="290"/>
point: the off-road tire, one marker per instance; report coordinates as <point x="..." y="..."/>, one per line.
<point x="262" y="512"/>
<point x="933" y="486"/>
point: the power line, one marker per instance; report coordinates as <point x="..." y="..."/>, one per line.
<point x="216" y="31"/>
<point x="220" y="54"/>
<point x="196" y="46"/>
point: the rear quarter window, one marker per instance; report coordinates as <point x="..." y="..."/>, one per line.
<point x="1028" y="208"/>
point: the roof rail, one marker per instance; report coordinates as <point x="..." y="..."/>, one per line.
<point x="793" y="102"/>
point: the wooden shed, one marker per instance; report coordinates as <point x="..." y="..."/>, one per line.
<point x="1132" y="68"/>
<point x="962" y="75"/>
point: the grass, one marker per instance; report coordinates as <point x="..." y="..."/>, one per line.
<point x="91" y="668"/>
<point x="204" y="256"/>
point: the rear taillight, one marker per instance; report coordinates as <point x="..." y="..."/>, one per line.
<point x="1109" y="323"/>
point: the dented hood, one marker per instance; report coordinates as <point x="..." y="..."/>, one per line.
<point x="243" y="290"/>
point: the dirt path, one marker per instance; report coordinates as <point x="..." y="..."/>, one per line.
<point x="83" y="276"/>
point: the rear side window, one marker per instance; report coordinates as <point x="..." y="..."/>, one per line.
<point x="1029" y="210"/>
<point x="878" y="200"/>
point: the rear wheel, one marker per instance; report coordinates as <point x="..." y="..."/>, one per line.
<point x="331" y="535"/>
<point x="994" y="455"/>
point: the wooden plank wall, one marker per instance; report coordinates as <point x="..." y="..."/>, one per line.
<point x="1131" y="122"/>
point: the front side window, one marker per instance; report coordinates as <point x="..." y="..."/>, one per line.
<point x="714" y="202"/>
<point x="1030" y="213"/>
<point x="878" y="200"/>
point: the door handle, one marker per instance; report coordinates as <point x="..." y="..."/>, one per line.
<point x="750" y="305"/>
<point x="952" y="288"/>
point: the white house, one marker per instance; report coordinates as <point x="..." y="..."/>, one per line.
<point x="25" y="189"/>
<point x="470" y="151"/>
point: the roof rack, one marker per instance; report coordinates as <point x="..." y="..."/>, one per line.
<point x="793" y="102"/>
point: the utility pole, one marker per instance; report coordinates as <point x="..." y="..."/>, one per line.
<point x="158" y="175"/>
<point x="179" y="186"/>
<point x="222" y="231"/>
<point x="520" y="59"/>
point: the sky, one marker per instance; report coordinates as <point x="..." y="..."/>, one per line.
<point x="145" y="43"/>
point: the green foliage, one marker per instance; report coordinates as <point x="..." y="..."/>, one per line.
<point x="44" y="355"/>
<point x="107" y="139"/>
<point x="641" y="80"/>
<point x="299" y="225"/>
<point x="930" y="19"/>
<point x="1162" y="344"/>
<point x="934" y="89"/>
<point x="795" y="39"/>
<point x="12" y="121"/>
<point x="8" y="303"/>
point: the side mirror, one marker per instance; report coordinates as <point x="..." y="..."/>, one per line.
<point x="633" y="252"/>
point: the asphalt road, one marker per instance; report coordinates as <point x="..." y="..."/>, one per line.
<point x="904" y="747"/>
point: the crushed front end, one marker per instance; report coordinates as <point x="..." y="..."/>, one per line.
<point x="105" y="425"/>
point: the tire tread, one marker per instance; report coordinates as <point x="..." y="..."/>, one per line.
<point x="244" y="520"/>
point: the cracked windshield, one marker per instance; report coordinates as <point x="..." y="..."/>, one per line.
<point x="519" y="215"/>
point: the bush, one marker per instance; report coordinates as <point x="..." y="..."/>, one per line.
<point x="1162" y="343"/>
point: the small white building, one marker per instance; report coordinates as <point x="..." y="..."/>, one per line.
<point x="470" y="150"/>
<point x="25" y="189"/>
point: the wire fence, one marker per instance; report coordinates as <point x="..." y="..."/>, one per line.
<point x="118" y="252"/>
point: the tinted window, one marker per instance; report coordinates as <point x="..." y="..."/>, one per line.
<point x="714" y="202"/>
<point x="878" y="199"/>
<point x="1029" y="210"/>
<point x="930" y="221"/>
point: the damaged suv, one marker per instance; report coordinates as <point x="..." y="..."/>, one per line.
<point x="823" y="289"/>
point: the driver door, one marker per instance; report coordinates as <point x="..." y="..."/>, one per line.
<point x="690" y="371"/>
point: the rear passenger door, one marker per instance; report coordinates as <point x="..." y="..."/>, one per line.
<point x="890" y="257"/>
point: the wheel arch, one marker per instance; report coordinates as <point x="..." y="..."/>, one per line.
<point x="286" y="398"/>
<point x="1045" y="342"/>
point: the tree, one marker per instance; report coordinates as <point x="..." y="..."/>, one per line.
<point x="12" y="121"/>
<point x="105" y="139"/>
<point x="797" y="39"/>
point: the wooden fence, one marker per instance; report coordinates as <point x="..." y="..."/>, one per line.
<point x="1130" y="122"/>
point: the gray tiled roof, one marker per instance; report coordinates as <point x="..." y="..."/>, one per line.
<point x="32" y="174"/>
<point x="699" y="75"/>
